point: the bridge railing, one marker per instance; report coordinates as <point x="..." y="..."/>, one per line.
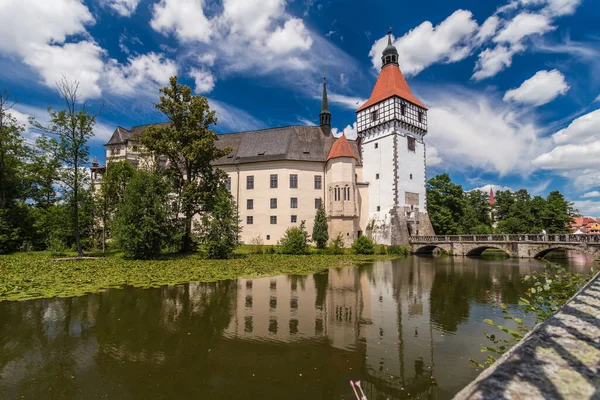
<point x="562" y="238"/>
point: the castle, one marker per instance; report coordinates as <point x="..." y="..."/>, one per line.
<point x="372" y="186"/>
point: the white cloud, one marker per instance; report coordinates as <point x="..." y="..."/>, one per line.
<point x="488" y="29"/>
<point x="144" y="72"/>
<point x="204" y="80"/>
<point x="35" y="32"/>
<point x="594" y="193"/>
<point x="433" y="157"/>
<point x="582" y="130"/>
<point x="576" y="152"/>
<point x="492" y="61"/>
<point x="292" y="36"/>
<point x="569" y="157"/>
<point x="81" y="61"/>
<point x="587" y="207"/>
<point x="27" y="22"/>
<point x="561" y="7"/>
<point x="487" y="188"/>
<point x="124" y="8"/>
<point x="350" y="132"/>
<point x="350" y="102"/>
<point x="523" y="25"/>
<point x="540" y="89"/>
<point x="207" y="58"/>
<point x="184" y="18"/>
<point x="426" y="44"/>
<point x="471" y="130"/>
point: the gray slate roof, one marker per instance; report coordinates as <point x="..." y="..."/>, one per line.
<point x="291" y="143"/>
<point x="122" y="135"/>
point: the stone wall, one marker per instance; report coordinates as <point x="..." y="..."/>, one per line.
<point x="557" y="360"/>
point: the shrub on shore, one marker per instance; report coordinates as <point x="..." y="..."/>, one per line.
<point x="363" y="245"/>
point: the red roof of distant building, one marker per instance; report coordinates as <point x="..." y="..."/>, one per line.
<point x="341" y="148"/>
<point x="492" y="198"/>
<point x="390" y="83"/>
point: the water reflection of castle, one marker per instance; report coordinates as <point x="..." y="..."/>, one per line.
<point x="366" y="311"/>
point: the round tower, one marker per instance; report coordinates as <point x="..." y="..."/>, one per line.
<point x="342" y="194"/>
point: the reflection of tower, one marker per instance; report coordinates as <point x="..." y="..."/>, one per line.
<point x="400" y="320"/>
<point x="343" y="307"/>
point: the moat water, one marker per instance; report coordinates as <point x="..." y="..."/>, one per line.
<point x="403" y="328"/>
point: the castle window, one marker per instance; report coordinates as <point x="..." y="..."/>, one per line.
<point x="294" y="181"/>
<point x="294" y="219"/>
<point x="249" y="220"/>
<point x="317" y="203"/>
<point x="411" y="143"/>
<point x="337" y="193"/>
<point x="294" y="202"/>
<point x="376" y="145"/>
<point x="403" y="109"/>
<point x="250" y="204"/>
<point x="378" y="208"/>
<point x="374" y="116"/>
<point x="410" y="176"/>
<point x="274" y="181"/>
<point x="420" y="116"/>
<point x="273" y="222"/>
<point x="376" y="176"/>
<point x="250" y="182"/>
<point x="268" y="237"/>
<point x="228" y="184"/>
<point x="318" y="182"/>
<point x="273" y="203"/>
<point x="346" y="193"/>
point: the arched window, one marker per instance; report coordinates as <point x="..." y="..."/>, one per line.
<point x="337" y="193"/>
<point x="346" y="193"/>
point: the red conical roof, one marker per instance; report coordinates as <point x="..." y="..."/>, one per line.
<point x="390" y="83"/>
<point x="341" y="148"/>
<point x="492" y="199"/>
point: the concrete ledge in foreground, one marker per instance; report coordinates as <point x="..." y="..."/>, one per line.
<point x="560" y="359"/>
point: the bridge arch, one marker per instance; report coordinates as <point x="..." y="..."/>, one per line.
<point x="430" y="249"/>
<point x="478" y="251"/>
<point x="581" y="250"/>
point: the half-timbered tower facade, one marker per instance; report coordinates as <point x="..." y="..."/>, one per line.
<point x="391" y="127"/>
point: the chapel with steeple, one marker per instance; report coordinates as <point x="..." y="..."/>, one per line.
<point x="374" y="185"/>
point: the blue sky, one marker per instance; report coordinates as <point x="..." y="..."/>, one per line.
<point x="512" y="86"/>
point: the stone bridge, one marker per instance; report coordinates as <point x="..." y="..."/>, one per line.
<point x="521" y="246"/>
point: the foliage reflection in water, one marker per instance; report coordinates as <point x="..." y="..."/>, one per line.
<point x="404" y="328"/>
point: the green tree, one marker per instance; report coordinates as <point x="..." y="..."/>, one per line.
<point x="70" y="130"/>
<point x="559" y="213"/>
<point x="477" y="213"/>
<point x="111" y="192"/>
<point x="140" y="226"/>
<point x="320" y="234"/>
<point x="13" y="158"/>
<point x="44" y="172"/>
<point x="445" y="205"/>
<point x="190" y="147"/>
<point x="295" y="240"/>
<point x="220" y="229"/>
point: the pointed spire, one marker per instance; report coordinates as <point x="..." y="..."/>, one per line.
<point x="390" y="53"/>
<point x="492" y="199"/>
<point x="325" y="116"/>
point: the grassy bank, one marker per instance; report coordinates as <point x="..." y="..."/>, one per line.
<point x="25" y="276"/>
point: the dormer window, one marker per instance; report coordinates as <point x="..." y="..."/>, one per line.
<point x="374" y="116"/>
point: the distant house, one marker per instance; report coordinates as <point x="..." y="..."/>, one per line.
<point x="587" y="225"/>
